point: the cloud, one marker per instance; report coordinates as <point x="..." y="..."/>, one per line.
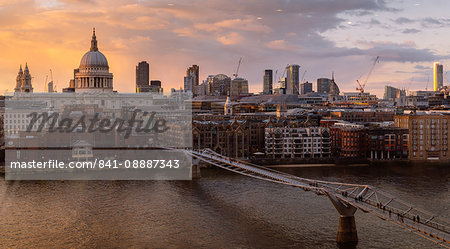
<point x="249" y="24"/>
<point x="230" y="38"/>
<point x="410" y="31"/>
<point x="431" y="22"/>
<point x="402" y="52"/>
<point x="422" y="67"/>
<point x="171" y="37"/>
<point x="403" y="20"/>
<point x="281" y="45"/>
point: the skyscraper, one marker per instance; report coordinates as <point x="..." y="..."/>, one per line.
<point x="191" y="79"/>
<point x="142" y="74"/>
<point x="438" y="76"/>
<point x="193" y="71"/>
<point x="268" y="81"/>
<point x="292" y="79"/>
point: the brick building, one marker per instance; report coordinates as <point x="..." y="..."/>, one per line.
<point x="384" y="143"/>
<point x="428" y="134"/>
<point x="348" y="140"/>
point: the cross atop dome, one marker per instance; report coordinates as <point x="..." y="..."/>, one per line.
<point x="94" y="42"/>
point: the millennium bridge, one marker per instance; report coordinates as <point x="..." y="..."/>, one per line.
<point x="346" y="198"/>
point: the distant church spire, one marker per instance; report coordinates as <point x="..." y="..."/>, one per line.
<point x="94" y="42"/>
<point x="23" y="80"/>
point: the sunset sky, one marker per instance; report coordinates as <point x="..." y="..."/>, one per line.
<point x="343" y="36"/>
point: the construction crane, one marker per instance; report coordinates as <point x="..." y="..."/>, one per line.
<point x="303" y="77"/>
<point x="282" y="76"/>
<point x="362" y="86"/>
<point x="445" y="78"/>
<point x="45" y="83"/>
<point x="237" y="69"/>
<point x="275" y="77"/>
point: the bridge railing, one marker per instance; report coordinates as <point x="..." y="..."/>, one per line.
<point x="380" y="202"/>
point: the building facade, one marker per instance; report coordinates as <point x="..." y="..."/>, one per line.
<point x="292" y="79"/>
<point x="438" y="76"/>
<point x="306" y="88"/>
<point x="348" y="141"/>
<point x="268" y="81"/>
<point x="297" y="142"/>
<point x="228" y="136"/>
<point x="428" y="134"/>
<point x="218" y="84"/>
<point x="238" y="86"/>
<point x="387" y="143"/>
<point x="191" y="80"/>
<point x="142" y="74"/>
<point x="325" y="85"/>
<point x="392" y="93"/>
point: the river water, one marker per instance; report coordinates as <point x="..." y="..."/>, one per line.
<point x="220" y="210"/>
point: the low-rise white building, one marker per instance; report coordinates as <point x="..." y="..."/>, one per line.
<point x="297" y="142"/>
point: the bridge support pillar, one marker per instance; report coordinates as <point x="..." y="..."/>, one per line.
<point x="195" y="169"/>
<point x="347" y="234"/>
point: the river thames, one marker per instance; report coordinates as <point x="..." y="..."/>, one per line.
<point x="219" y="210"/>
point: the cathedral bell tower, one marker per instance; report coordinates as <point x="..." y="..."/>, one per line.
<point x="23" y="81"/>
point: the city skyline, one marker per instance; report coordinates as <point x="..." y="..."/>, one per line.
<point x="337" y="36"/>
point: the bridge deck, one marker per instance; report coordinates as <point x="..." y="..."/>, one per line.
<point x="364" y="197"/>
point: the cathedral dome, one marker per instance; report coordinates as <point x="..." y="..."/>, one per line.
<point x="93" y="73"/>
<point x="93" y="58"/>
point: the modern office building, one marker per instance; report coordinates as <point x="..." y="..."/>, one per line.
<point x="218" y="84"/>
<point x="142" y="74"/>
<point x="385" y="143"/>
<point x="238" y="86"/>
<point x="306" y="88"/>
<point x="143" y="82"/>
<point x="191" y="80"/>
<point x="392" y="93"/>
<point x="325" y="85"/>
<point x="268" y="81"/>
<point x="292" y="79"/>
<point x="438" y="76"/>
